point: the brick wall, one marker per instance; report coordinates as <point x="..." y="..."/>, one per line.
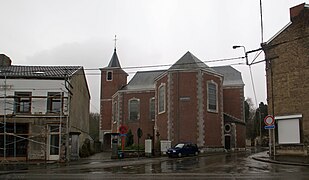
<point x="108" y="89"/>
<point x="233" y="101"/>
<point x="144" y="122"/>
<point x="240" y="136"/>
<point x="184" y="100"/>
<point x="162" y="119"/>
<point x="290" y="71"/>
<point x="213" y="121"/>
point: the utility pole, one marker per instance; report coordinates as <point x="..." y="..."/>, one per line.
<point x="4" y="122"/>
<point x="68" y="88"/>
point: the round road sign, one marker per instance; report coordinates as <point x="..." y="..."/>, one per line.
<point x="123" y="129"/>
<point x="269" y="120"/>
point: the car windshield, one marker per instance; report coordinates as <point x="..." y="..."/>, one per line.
<point x="179" y="145"/>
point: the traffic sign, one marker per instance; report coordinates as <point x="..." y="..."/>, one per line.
<point x="269" y="127"/>
<point x="269" y="120"/>
<point x="123" y="129"/>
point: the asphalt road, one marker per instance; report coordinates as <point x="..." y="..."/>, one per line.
<point x="216" y="166"/>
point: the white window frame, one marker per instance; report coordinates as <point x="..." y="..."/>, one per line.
<point x="129" y="109"/>
<point x="216" y="85"/>
<point x="164" y="98"/>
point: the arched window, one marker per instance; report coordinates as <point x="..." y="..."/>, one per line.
<point x="109" y="76"/>
<point x="134" y="109"/>
<point x="152" y="108"/>
<point x="115" y="112"/>
<point x="212" y="96"/>
<point x="161" y="98"/>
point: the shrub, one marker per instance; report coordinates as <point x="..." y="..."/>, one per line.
<point x="85" y="150"/>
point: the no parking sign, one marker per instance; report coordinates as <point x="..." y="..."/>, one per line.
<point x="269" y="122"/>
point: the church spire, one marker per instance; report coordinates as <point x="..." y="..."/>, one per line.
<point x="114" y="62"/>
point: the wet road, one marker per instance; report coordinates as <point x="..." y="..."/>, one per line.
<point x="219" y="166"/>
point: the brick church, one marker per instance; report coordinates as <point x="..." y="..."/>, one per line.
<point x="189" y="102"/>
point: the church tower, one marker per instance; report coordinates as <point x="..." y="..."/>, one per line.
<point x="113" y="78"/>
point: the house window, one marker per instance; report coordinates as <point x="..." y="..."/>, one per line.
<point x="54" y="102"/>
<point x="134" y="109"/>
<point x="212" y="97"/>
<point x="152" y="108"/>
<point x="161" y="98"/>
<point x="109" y="76"/>
<point x="22" y="102"/>
<point x="17" y="138"/>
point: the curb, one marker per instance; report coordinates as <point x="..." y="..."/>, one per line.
<point x="266" y="159"/>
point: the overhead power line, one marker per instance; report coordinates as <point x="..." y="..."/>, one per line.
<point x="151" y="66"/>
<point x="167" y="65"/>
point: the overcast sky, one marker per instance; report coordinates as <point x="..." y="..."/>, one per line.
<point x="149" y="32"/>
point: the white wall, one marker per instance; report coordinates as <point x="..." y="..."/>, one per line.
<point x="288" y="131"/>
<point x="38" y="87"/>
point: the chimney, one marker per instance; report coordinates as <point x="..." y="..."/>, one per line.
<point x="296" y="10"/>
<point x="4" y="60"/>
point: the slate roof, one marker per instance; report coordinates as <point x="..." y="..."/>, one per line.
<point x="146" y="79"/>
<point x="189" y="61"/>
<point x="38" y="72"/>
<point x="231" y="76"/>
<point x="143" y="80"/>
<point x="229" y="118"/>
<point x="114" y="62"/>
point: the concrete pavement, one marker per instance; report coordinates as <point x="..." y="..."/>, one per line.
<point x="264" y="157"/>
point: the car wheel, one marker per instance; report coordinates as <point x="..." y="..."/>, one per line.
<point x="179" y="154"/>
<point x="196" y="153"/>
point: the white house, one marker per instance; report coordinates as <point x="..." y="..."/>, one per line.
<point x="44" y="111"/>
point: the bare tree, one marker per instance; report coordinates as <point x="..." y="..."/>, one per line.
<point x="94" y="124"/>
<point x="249" y="118"/>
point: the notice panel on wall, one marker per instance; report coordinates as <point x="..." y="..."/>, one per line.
<point x="288" y="131"/>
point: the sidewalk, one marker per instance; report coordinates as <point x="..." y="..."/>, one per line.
<point x="264" y="157"/>
<point x="99" y="156"/>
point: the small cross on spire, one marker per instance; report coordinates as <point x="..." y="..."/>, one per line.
<point x="115" y="42"/>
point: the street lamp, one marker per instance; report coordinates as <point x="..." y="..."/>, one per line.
<point x="246" y="53"/>
<point x="247" y="62"/>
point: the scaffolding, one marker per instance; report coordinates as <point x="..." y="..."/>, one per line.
<point x="18" y="125"/>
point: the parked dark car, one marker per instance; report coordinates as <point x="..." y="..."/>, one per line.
<point x="183" y="149"/>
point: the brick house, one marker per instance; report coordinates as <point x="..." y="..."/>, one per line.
<point x="183" y="103"/>
<point x="287" y="71"/>
<point x="43" y="110"/>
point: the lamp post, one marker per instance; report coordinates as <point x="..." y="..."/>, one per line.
<point x="247" y="63"/>
<point x="246" y="53"/>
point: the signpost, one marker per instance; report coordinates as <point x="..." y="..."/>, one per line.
<point x="123" y="132"/>
<point x="269" y="127"/>
<point x="269" y="122"/>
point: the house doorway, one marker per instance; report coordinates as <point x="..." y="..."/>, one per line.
<point x="53" y="142"/>
<point x="107" y="143"/>
<point x="227" y="142"/>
